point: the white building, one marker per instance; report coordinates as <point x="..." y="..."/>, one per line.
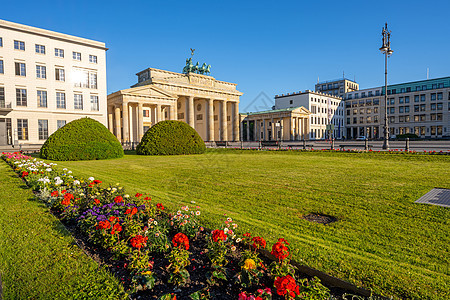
<point x="325" y="110"/>
<point x="47" y="79"/>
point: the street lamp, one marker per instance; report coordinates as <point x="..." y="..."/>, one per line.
<point x="387" y="51"/>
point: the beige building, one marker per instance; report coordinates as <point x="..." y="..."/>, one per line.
<point x="287" y="124"/>
<point x="338" y="87"/>
<point x="326" y="112"/>
<point x="210" y="106"/>
<point x="47" y="79"/>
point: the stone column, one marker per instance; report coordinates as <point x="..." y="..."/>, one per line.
<point x="264" y="130"/>
<point x="291" y="129"/>
<point x="236" y="122"/>
<point x="158" y="113"/>
<point x="126" y="136"/>
<point x="281" y="129"/>
<point x="255" y="130"/>
<point x="248" y="130"/>
<point x="190" y="109"/>
<point x="140" y="121"/>
<point x="211" y="119"/>
<point x="224" y="129"/>
<point x="306" y="128"/>
<point x="118" y="127"/>
<point x="241" y="125"/>
<point x="172" y="113"/>
<point x="110" y="120"/>
<point x="131" y="123"/>
<point x="299" y="130"/>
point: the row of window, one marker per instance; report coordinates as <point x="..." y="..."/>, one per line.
<point x="417" y="88"/>
<point x="401" y="119"/>
<point x="22" y="99"/>
<point x="323" y="121"/>
<point x="40" y="49"/>
<point x="368" y="102"/>
<point x="22" y="128"/>
<point x="81" y="77"/>
<point x="363" y="94"/>
<point x="363" y="111"/>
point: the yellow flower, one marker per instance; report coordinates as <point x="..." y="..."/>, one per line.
<point x="147" y="273"/>
<point x="249" y="264"/>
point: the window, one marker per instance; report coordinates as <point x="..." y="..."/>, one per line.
<point x="60" y="123"/>
<point x="1" y="42"/>
<point x="434" y="86"/>
<point x="2" y="97"/>
<point x="440" y="96"/>
<point x="408" y="89"/>
<point x="92" y="80"/>
<point x="401" y="109"/>
<point x="375" y="119"/>
<point x="363" y="94"/>
<point x="21" y="69"/>
<point x="439" y="106"/>
<point x="43" y="129"/>
<point x="146" y="113"/>
<point x="375" y="110"/>
<point x="41" y="72"/>
<point x="377" y="93"/>
<point x="93" y="59"/>
<point x="370" y="94"/>
<point x="350" y="96"/>
<point x="423" y="118"/>
<point x="433" y="117"/>
<point x="417" y="88"/>
<point x="406" y="109"/>
<point x="392" y="110"/>
<point x="439" y="117"/>
<point x="21" y="97"/>
<point x="42" y="98"/>
<point x="416" y="98"/>
<point x="94" y="102"/>
<point x="392" y="101"/>
<point x="291" y="101"/>
<point x="422" y="98"/>
<point x="433" y="96"/>
<point x="361" y="120"/>
<point x="2" y="71"/>
<point x="356" y="95"/>
<point x="22" y="129"/>
<point x="40" y="49"/>
<point x="416" y="107"/>
<point x="407" y="118"/>
<point x="422" y="107"/>
<point x="406" y="99"/>
<point x="313" y="109"/>
<point x="85" y="78"/>
<point x="416" y="118"/>
<point x="59" y="74"/>
<point x="424" y="87"/>
<point x="76" y="55"/>
<point x="441" y="85"/>
<point x="60" y="100"/>
<point x="401" y="119"/>
<point x="433" y="106"/>
<point x="376" y="101"/>
<point x="59" y="52"/>
<point x="400" y="100"/>
<point x="402" y="90"/>
<point x="78" y="101"/>
<point x="391" y="119"/>
<point x="18" y="45"/>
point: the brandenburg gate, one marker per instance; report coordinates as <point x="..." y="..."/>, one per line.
<point x="210" y="106"/>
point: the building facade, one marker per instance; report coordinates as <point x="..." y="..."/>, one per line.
<point x="338" y="87"/>
<point x="47" y="79"/>
<point x="419" y="107"/>
<point x="210" y="106"/>
<point x="327" y="112"/>
<point x="287" y="124"/>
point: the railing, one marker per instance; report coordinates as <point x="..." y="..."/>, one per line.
<point x="5" y="105"/>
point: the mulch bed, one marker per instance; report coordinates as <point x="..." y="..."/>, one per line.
<point x="318" y="218"/>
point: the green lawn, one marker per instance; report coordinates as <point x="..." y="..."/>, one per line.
<point x="38" y="257"/>
<point x="383" y="240"/>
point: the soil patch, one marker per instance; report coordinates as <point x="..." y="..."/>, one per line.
<point x="319" y="218"/>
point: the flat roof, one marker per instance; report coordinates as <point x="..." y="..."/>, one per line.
<point x="52" y="34"/>
<point x="271" y="111"/>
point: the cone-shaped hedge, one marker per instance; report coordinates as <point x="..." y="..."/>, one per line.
<point x="82" y="139"/>
<point x="171" y="138"/>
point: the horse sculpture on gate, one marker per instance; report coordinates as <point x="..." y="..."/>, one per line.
<point x="191" y="68"/>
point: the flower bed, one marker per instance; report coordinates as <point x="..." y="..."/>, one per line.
<point x="161" y="254"/>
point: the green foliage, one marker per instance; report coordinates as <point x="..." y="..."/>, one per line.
<point x="82" y="139"/>
<point x="178" y="261"/>
<point x="171" y="138"/>
<point x="313" y="289"/>
<point x="407" y="135"/>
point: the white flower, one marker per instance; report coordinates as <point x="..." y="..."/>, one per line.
<point x="197" y="213"/>
<point x="81" y="194"/>
<point x="114" y="190"/>
<point x="233" y="248"/>
<point x="155" y="222"/>
<point x="108" y="189"/>
<point x="238" y="240"/>
<point x="65" y="169"/>
<point x="229" y="219"/>
<point x="192" y="201"/>
<point x="48" y="169"/>
<point x="225" y="230"/>
<point x="91" y="178"/>
<point x="127" y="196"/>
<point x="179" y="212"/>
<point x="76" y="182"/>
<point x="69" y="172"/>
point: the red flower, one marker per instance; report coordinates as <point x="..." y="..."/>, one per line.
<point x="180" y="240"/>
<point x="112" y="219"/>
<point x="148" y="198"/>
<point x="54" y="194"/>
<point x="138" y="195"/>
<point x="286" y="285"/>
<point x="96" y="201"/>
<point x="97" y="182"/>
<point x="67" y="198"/>
<point x="131" y="211"/>
<point x="139" y="241"/>
<point x="103" y="225"/>
<point x="218" y="235"/>
<point x="279" y="249"/>
<point x="160" y="206"/>
<point x="258" y="242"/>
<point x="118" y="199"/>
<point x="24" y="173"/>
<point x="116" y="228"/>
<point x="63" y="191"/>
<point x="247" y="235"/>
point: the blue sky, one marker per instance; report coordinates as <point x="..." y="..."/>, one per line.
<point x="264" y="46"/>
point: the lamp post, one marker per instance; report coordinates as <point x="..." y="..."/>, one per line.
<point x="387" y="51"/>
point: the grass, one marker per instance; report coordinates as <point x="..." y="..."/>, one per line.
<point x="382" y="241"/>
<point x="38" y="256"/>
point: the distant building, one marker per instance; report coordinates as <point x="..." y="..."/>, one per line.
<point x="47" y="79"/>
<point x="338" y="87"/>
<point x="325" y="110"/>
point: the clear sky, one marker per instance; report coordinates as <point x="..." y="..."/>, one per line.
<point x="273" y="47"/>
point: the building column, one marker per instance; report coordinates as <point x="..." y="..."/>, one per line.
<point x="172" y="113"/>
<point x="140" y="121"/>
<point x="224" y="129"/>
<point x="241" y="125"/>
<point x="264" y="130"/>
<point x="211" y="119"/>
<point x="158" y="113"/>
<point x="291" y="129"/>
<point x="118" y="127"/>
<point x="248" y="130"/>
<point x="190" y="110"/>
<point x="255" y="130"/>
<point x="131" y="123"/>
<point x="307" y="130"/>
<point x="126" y="136"/>
<point x="236" y="121"/>
<point x="110" y="120"/>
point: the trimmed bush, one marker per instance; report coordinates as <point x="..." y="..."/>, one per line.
<point x="82" y="139"/>
<point x="171" y="138"/>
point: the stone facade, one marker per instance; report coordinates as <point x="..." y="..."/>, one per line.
<point x="208" y="105"/>
<point x="338" y="87"/>
<point x="47" y="79"/>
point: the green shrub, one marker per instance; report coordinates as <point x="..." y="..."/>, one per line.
<point x="171" y="138"/>
<point x="407" y="135"/>
<point x="82" y="139"/>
